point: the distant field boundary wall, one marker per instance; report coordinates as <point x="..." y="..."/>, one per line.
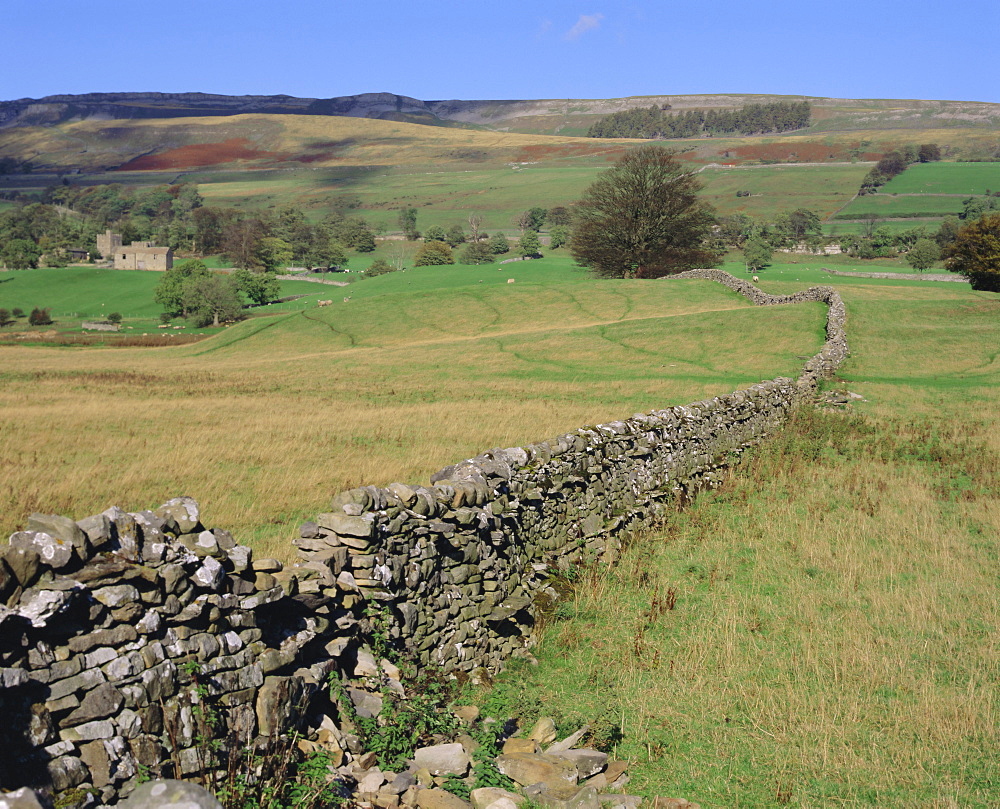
<point x="118" y="626"/>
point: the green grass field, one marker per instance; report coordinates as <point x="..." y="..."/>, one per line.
<point x="442" y="197"/>
<point x="832" y="639"/>
<point x="265" y="421"/>
<point x="821" y="630"/>
<point x="946" y="178"/>
<point x="839" y="227"/>
<point x="75" y="294"/>
<point x="776" y="189"/>
<point x="888" y="206"/>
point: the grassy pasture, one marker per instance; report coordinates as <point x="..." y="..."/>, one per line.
<point x="822" y="629"/>
<point x="774" y="189"/>
<point x="75" y="294"/>
<point x="946" y="178"/>
<point x="442" y="197"/>
<point x="265" y="421"/>
<point x="498" y="193"/>
<point x="841" y="226"/>
<point x="888" y="206"/>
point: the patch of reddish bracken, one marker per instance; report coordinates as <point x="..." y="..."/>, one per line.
<point x="196" y="155"/>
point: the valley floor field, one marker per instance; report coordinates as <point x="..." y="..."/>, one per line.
<point x="820" y="631"/>
<point x="264" y="422"/>
<point x="823" y="629"/>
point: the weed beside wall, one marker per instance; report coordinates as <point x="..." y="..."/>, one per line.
<point x="122" y="631"/>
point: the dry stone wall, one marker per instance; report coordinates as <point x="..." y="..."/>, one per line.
<point x="115" y="624"/>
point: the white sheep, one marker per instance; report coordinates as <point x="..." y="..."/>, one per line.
<point x="755" y="279"/>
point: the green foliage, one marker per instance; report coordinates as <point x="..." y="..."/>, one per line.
<point x="559" y="216"/>
<point x="5" y="317"/>
<point x="273" y="253"/>
<point x="477" y="253"/>
<point x="455" y="236"/>
<point x="642" y="219"/>
<point x="750" y="119"/>
<point x="975" y="207"/>
<point x="484" y="766"/>
<point x="536" y="218"/>
<point x="529" y="245"/>
<point x="558" y="236"/>
<point x="435" y="233"/>
<point x="408" y="223"/>
<point x="923" y="254"/>
<point x="20" y="254"/>
<point x="313" y="787"/>
<point x="379" y="622"/>
<point x="169" y="291"/>
<point x="757" y="254"/>
<point x="975" y="253"/>
<point x="929" y="153"/>
<point x="408" y="723"/>
<point x="17" y="311"/>
<point x="378" y="267"/>
<point x="213" y="299"/>
<point x="115" y="317"/>
<point x="259" y="287"/>
<point x="499" y="244"/>
<point x="433" y="253"/>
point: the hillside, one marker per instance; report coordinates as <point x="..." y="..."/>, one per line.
<point x="263" y="141"/>
<point x="541" y="116"/>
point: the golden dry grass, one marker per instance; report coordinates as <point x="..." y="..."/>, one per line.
<point x="264" y="423"/>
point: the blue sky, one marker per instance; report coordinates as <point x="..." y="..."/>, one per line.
<point x="513" y="49"/>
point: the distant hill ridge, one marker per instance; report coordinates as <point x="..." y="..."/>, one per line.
<point x="541" y="115"/>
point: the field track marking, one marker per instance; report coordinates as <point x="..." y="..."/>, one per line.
<point x="331" y="327"/>
<point x="470" y="338"/>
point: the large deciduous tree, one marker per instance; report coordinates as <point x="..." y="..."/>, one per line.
<point x="20" y="254"/>
<point x="169" y="292"/>
<point x="922" y="255"/>
<point x="975" y="253"/>
<point x="408" y="222"/>
<point x="431" y="253"/>
<point x="213" y="299"/>
<point x="757" y="254"/>
<point x="642" y="219"/>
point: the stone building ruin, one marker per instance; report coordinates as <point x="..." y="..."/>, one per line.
<point x="136" y="256"/>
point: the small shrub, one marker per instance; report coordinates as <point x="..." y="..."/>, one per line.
<point x="378" y="267"/>
<point x="5" y="317"/>
<point x="432" y="253"/>
<point x="115" y="317"/>
<point x="17" y="311"/>
<point x="39" y="317"/>
<point x="165" y="317"/>
<point x="477" y="253"/>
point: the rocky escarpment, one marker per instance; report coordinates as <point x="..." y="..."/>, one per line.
<point x="56" y="109"/>
<point x="501" y="114"/>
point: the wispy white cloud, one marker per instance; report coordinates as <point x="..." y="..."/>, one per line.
<point x="587" y="22"/>
<point x="543" y="28"/>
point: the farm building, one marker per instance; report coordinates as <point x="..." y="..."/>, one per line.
<point x="144" y="256"/>
<point x="136" y="256"/>
<point x="108" y="243"/>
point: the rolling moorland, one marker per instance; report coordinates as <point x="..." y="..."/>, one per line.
<point x="819" y="631"/>
<point x="244" y="154"/>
